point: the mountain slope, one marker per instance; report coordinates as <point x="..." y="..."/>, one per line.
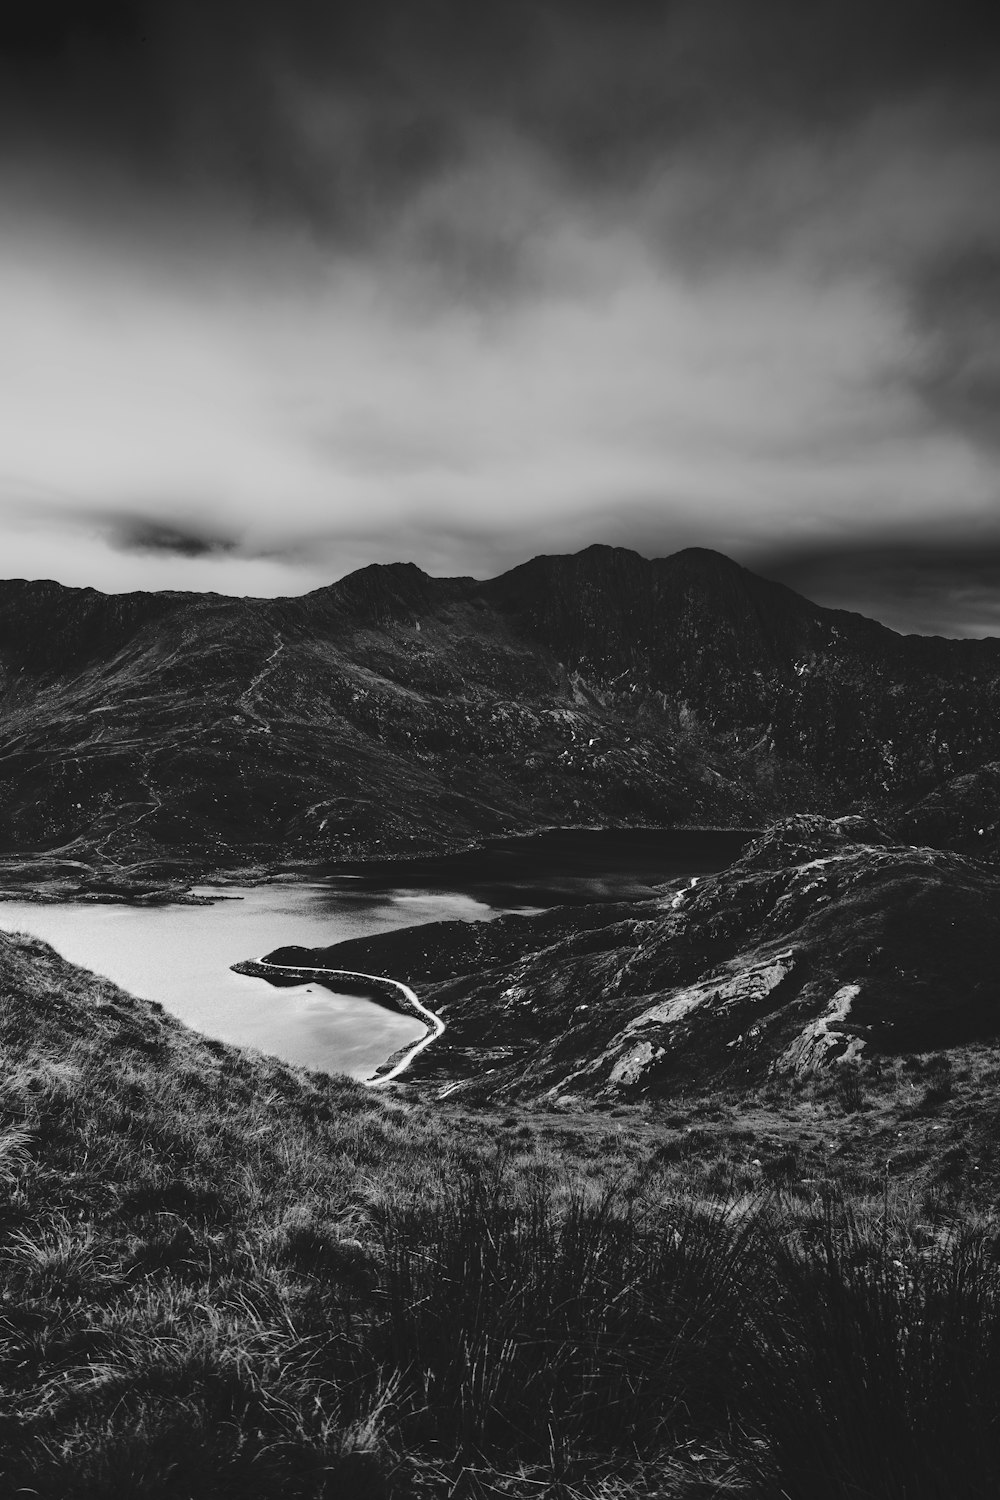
<point x="396" y="712"/>
<point x="822" y="947"/>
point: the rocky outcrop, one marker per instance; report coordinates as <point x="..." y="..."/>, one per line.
<point x="648" y="1039"/>
<point x="813" y="951"/>
<point x="824" y="1040"/>
<point x="963" y="814"/>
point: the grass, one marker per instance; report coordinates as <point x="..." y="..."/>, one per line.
<point x="223" y="1277"/>
<point x="876" y="1369"/>
<point x="527" y="1316"/>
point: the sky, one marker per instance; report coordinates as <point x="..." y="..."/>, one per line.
<point x="288" y="287"/>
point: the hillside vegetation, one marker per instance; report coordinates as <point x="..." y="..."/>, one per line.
<point x="151" y="734"/>
<point x="224" y="1277"/>
<point x="696" y="1195"/>
<point x="823" y="947"/>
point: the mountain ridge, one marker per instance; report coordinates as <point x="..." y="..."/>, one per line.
<point x="392" y="712"/>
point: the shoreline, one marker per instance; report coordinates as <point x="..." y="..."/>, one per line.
<point x="51" y="877"/>
<point x="405" y="1001"/>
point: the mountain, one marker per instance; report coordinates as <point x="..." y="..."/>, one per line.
<point x="825" y="947"/>
<point x="396" y="713"/>
<point x="664" y="1149"/>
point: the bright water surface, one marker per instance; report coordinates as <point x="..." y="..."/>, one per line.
<point x="180" y="955"/>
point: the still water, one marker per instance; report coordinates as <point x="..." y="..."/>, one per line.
<point x="180" y="955"/>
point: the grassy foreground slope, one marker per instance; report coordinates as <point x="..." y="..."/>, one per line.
<point x="221" y="1276"/>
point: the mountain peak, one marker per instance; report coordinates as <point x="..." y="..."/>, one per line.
<point x="706" y="557"/>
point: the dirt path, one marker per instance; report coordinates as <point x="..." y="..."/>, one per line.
<point x="411" y="1006"/>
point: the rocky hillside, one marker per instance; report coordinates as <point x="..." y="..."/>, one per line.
<point x="962" y="813"/>
<point x="393" y="712"/>
<point x="216" y="1271"/>
<point x="824" y="946"/>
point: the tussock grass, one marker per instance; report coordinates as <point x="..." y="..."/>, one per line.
<point x="876" y="1369"/>
<point x="223" y="1277"/>
<point x="525" y="1316"/>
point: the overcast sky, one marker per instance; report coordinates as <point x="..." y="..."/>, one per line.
<point x="289" y="287"/>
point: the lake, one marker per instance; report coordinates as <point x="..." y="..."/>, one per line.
<point x="180" y="955"/>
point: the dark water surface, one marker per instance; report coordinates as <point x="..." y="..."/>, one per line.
<point x="562" y="865"/>
<point x="180" y="955"/>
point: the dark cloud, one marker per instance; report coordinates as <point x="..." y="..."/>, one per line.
<point x="234" y="88"/>
<point x="925" y="587"/>
<point x="390" y="264"/>
<point x="45" y="31"/>
<point x="82" y="76"/>
<point x="145" y="534"/>
<point x="958" y="302"/>
<point x="341" y="117"/>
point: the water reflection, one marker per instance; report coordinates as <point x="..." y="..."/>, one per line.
<point x="180" y="955"/>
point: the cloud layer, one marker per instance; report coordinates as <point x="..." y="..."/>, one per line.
<point x="290" y="288"/>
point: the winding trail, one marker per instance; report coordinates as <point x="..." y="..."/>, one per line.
<point x="411" y="1006"/>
